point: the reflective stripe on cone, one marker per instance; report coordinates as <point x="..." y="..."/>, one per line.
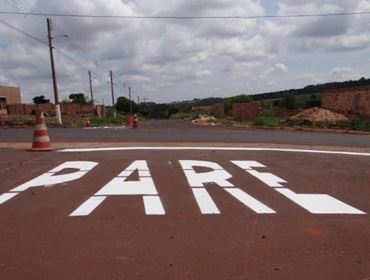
<point x="41" y="140"/>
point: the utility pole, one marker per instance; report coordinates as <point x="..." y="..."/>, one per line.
<point x="111" y="87"/>
<point x="91" y="89"/>
<point x="129" y="97"/>
<point x="56" y="97"/>
<point x="138" y="100"/>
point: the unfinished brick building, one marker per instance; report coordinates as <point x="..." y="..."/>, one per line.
<point x="9" y="95"/>
<point x="247" y="111"/>
<point x="354" y="101"/>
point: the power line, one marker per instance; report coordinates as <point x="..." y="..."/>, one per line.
<point x="187" y="17"/>
<point x="27" y="7"/>
<point x="23" y="32"/>
<point x="97" y="75"/>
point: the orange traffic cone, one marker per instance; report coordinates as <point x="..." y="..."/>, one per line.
<point x="87" y="124"/>
<point x="41" y="140"/>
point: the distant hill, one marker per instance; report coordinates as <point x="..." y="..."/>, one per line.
<point x="311" y="89"/>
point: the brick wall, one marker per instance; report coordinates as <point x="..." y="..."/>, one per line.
<point x="218" y="110"/>
<point x="11" y="94"/>
<point x="353" y="101"/>
<point x="247" y="111"/>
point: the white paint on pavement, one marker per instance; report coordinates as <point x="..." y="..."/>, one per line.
<point x="250" y="201"/>
<point x="153" y="205"/>
<point x="88" y="206"/>
<point x="205" y="202"/>
<point x="314" y="203"/>
<point x="49" y="179"/>
<point x="144" y="187"/>
<point x="220" y="177"/>
<point x="320" y="203"/>
<point x="6" y="196"/>
<point x="86" y="150"/>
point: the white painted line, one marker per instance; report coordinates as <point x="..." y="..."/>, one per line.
<point x="105" y="127"/>
<point x="269" y="179"/>
<point x="6" y="196"/>
<point x="211" y="149"/>
<point x="153" y="205"/>
<point x="119" y="186"/>
<point x="320" y="203"/>
<point x="205" y="202"/>
<point x="250" y="201"/>
<point x="88" y="206"/>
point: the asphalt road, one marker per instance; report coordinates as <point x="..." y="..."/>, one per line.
<point x="174" y="232"/>
<point x="172" y="131"/>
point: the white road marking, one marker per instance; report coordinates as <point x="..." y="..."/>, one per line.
<point x="106" y="127"/>
<point x="205" y="202"/>
<point x="49" y="179"/>
<point x="250" y="201"/>
<point x="82" y="150"/>
<point x="314" y="203"/>
<point x="88" y="206"/>
<point x="6" y="196"/>
<point x="144" y="187"/>
<point x="320" y="203"/>
<point x="269" y="179"/>
<point x="153" y="205"/>
<point x="220" y="177"/>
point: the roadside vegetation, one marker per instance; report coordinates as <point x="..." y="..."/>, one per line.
<point x="278" y="110"/>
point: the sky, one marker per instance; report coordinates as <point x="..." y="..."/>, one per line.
<point x="165" y="60"/>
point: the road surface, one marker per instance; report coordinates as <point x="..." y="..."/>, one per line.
<point x="186" y="214"/>
<point x="173" y="131"/>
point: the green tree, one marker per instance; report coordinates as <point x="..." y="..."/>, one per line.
<point x="78" y="98"/>
<point x="40" y="100"/>
<point x="123" y="105"/>
<point x="289" y="102"/>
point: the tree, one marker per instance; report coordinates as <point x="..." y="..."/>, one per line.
<point x="313" y="102"/>
<point x="40" y="100"/>
<point x="289" y="102"/>
<point x="123" y="105"/>
<point x="78" y="98"/>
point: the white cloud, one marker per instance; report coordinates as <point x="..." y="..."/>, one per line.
<point x="169" y="59"/>
<point x="345" y="73"/>
<point x="278" y="68"/>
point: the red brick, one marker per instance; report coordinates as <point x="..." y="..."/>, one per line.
<point x="354" y="101"/>
<point x="247" y="111"/>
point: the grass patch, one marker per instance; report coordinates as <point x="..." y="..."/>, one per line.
<point x="185" y="116"/>
<point x="267" y="121"/>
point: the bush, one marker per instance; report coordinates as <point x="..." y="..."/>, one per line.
<point x="360" y="125"/>
<point x="265" y="121"/>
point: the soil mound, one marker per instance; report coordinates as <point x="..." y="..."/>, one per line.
<point x="319" y="115"/>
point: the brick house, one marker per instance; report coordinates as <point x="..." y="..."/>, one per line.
<point x="9" y="96"/>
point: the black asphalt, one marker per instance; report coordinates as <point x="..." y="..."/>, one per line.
<point x="172" y="131"/>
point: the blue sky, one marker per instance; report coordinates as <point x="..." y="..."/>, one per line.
<point x="168" y="60"/>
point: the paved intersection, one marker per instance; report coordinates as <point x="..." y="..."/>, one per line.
<point x="184" y="214"/>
